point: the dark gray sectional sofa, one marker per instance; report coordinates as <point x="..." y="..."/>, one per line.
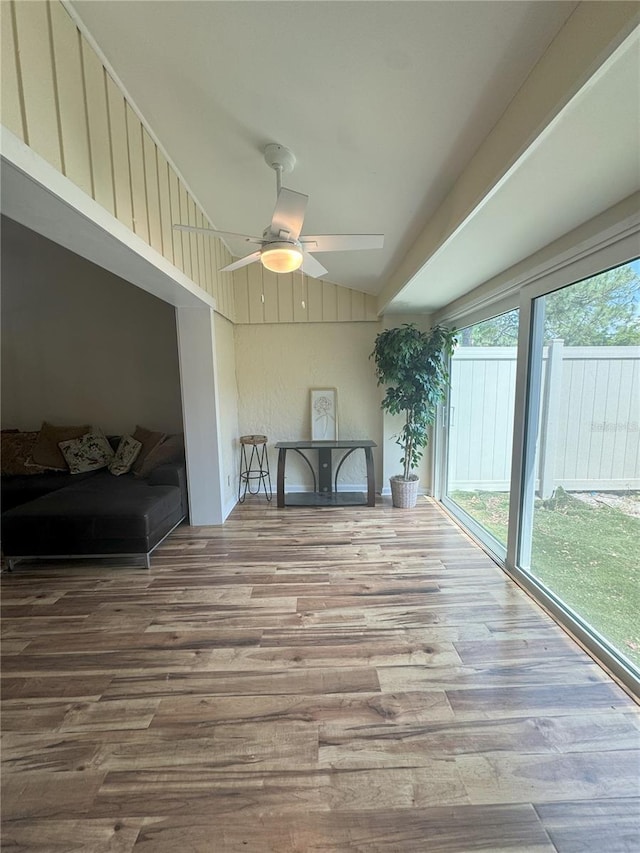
<point x="91" y="515"/>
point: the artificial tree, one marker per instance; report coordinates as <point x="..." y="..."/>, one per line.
<point x="414" y="366"/>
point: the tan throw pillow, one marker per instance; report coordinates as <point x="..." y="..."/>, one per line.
<point x="88" y="453"/>
<point x="126" y="455"/>
<point x="15" y="451"/>
<point x="169" y="450"/>
<point x="148" y="439"/>
<point x="46" y="451"/>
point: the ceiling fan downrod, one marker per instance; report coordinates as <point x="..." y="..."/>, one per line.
<point x="280" y="159"/>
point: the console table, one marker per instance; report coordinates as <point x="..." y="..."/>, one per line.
<point x="325" y="484"/>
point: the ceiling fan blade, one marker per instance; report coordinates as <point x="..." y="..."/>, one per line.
<point x="341" y="242"/>
<point x="288" y="215"/>
<point x="312" y="267"/>
<point x="216" y="233"/>
<point x="243" y="262"/>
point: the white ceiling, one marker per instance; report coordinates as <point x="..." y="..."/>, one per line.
<point x="383" y="103"/>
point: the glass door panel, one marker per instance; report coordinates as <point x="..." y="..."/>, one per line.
<point x="580" y="530"/>
<point x="480" y="427"/>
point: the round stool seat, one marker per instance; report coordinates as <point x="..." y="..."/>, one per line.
<point x="253" y="439"/>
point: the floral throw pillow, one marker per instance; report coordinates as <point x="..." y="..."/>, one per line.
<point x="87" y="453"/>
<point x="126" y="454"/>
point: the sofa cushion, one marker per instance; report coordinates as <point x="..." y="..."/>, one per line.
<point x="15" y="450"/>
<point x="170" y="449"/>
<point x="126" y="454"/>
<point x="149" y="440"/>
<point x="46" y="452"/>
<point x="90" y="452"/>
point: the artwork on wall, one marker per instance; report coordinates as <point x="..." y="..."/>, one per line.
<point x="324" y="414"/>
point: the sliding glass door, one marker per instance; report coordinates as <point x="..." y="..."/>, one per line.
<point x="480" y="427"/>
<point x="580" y="531"/>
<point x="540" y="450"/>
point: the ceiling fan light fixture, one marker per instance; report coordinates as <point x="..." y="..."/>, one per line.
<point x="281" y="257"/>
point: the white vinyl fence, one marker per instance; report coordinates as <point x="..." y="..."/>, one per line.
<point x="589" y="435"/>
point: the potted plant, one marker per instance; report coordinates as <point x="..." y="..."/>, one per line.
<point x="414" y="364"/>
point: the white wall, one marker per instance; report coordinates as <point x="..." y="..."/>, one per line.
<point x="277" y="365"/>
<point x="81" y="345"/>
<point x="228" y="409"/>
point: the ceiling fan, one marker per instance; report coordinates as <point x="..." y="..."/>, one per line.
<point x="282" y="247"/>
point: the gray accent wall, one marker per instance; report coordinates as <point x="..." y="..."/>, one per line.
<point x="80" y="345"/>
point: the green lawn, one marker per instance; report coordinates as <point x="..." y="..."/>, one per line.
<point x="588" y="556"/>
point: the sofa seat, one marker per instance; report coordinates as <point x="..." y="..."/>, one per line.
<point x="19" y="489"/>
<point x="98" y="516"/>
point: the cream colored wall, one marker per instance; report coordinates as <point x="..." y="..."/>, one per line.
<point x="227" y="407"/>
<point x="276" y="366"/>
<point x="80" y="345"/>
<point x="57" y="96"/>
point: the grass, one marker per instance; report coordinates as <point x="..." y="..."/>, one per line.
<point x="588" y="556"/>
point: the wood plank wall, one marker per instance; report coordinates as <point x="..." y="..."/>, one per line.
<point x="264" y="297"/>
<point x="58" y="97"/>
<point x="60" y="100"/>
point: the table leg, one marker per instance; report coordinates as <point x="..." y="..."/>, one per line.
<point x="282" y="455"/>
<point x="371" y="480"/>
<point x="324" y="471"/>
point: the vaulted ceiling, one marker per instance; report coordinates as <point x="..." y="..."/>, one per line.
<point x="385" y="105"/>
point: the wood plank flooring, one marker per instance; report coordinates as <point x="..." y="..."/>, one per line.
<point x="306" y="680"/>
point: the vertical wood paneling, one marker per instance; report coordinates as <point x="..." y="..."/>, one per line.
<point x="217" y="262"/>
<point x="176" y="236"/>
<point x="270" y="290"/>
<point x="256" y="304"/>
<point x="202" y="265"/>
<point x="193" y="240"/>
<point x="241" y="289"/>
<point x="12" y="117"/>
<point x="136" y="166"/>
<point x="210" y="277"/>
<point x="120" y="153"/>
<point x="73" y="115"/>
<point x="371" y="307"/>
<point x="314" y="293"/>
<point x="38" y="85"/>
<point x="329" y="302"/>
<point x="300" y="298"/>
<point x="99" y="142"/>
<point x="183" y="219"/>
<point x="285" y="298"/>
<point x="357" y="305"/>
<point x="153" y="195"/>
<point x="226" y="278"/>
<point x="165" y="206"/>
<point x="344" y="304"/>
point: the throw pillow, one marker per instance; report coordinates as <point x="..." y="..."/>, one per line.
<point x="169" y="450"/>
<point x="87" y="453"/>
<point x="126" y="455"/>
<point x="148" y="439"/>
<point x="16" y="449"/>
<point x="46" y="452"/>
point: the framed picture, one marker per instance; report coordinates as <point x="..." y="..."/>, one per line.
<point x="324" y="414"/>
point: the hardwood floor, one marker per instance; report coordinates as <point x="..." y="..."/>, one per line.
<point x="306" y="680"/>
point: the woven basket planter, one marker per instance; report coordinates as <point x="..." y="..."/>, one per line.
<point x="404" y="493"/>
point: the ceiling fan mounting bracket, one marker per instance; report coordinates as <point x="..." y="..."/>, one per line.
<point x="279" y="158"/>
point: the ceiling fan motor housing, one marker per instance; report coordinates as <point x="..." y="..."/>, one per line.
<point x="279" y="157"/>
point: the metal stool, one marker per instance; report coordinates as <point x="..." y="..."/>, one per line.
<point x="255" y="468"/>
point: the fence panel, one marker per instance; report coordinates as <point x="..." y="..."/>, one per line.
<point x="590" y="419"/>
